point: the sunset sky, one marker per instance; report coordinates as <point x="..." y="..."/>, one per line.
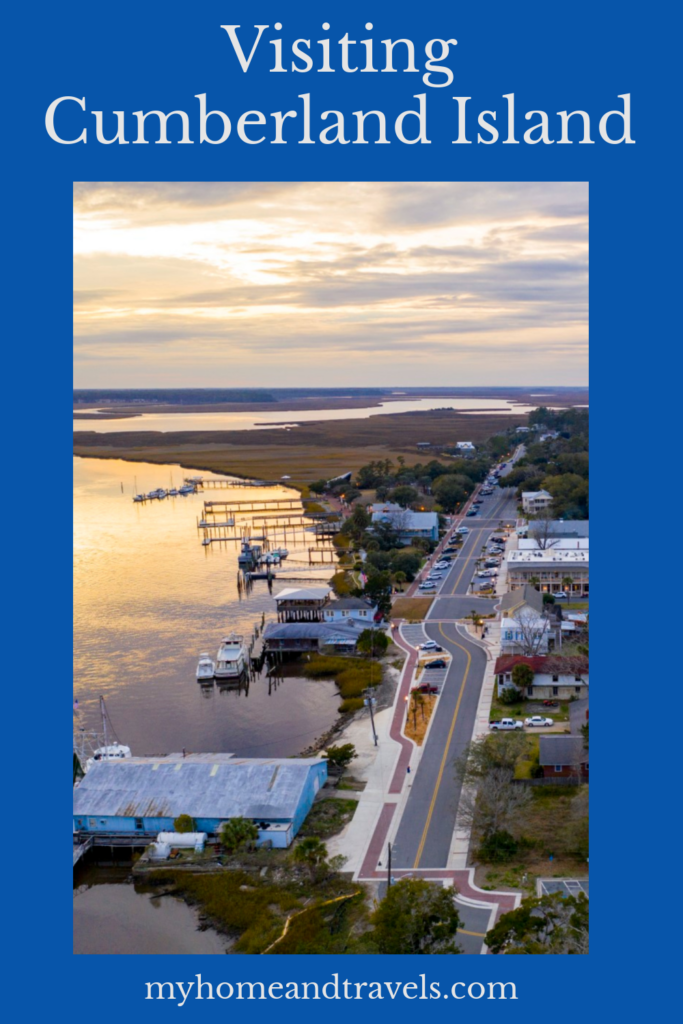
<point x="314" y="284"/>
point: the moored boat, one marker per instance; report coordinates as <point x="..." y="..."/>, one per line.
<point x="206" y="668"/>
<point x="231" y="658"/>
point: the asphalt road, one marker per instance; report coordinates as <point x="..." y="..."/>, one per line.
<point x="425" y="833"/>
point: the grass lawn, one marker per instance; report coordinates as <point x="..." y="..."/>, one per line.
<point x="411" y="608"/>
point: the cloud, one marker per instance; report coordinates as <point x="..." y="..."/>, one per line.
<point x="489" y="276"/>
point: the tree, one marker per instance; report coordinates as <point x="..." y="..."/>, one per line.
<point x="522" y="676"/>
<point x="340" y="757"/>
<point x="406" y="560"/>
<point x="404" y="495"/>
<point x="493" y="805"/>
<point x="236" y="833"/>
<point x="489" y="753"/>
<point x="318" y="486"/>
<point x="533" y="633"/>
<point x="449" y="492"/>
<point x="540" y="529"/>
<point x="542" y="924"/>
<point x="378" y="589"/>
<point x="417" y="917"/>
<point x="311" y="853"/>
<point x="399" y="579"/>
<point x="184" y="823"/>
<point x="373" y="642"/>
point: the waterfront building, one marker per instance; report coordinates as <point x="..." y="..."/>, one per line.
<point x="295" y="637"/>
<point x="410" y="525"/>
<point x="275" y="794"/>
<point x="357" y="610"/>
<point x="302" y="604"/>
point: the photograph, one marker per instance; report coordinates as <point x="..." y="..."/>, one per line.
<point x="331" y="552"/>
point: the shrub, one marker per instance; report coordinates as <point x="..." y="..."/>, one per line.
<point x="184" y="823"/>
<point x="237" y="833"/>
<point x="350" y="704"/>
<point x="510" y="695"/>
<point x="498" y="847"/>
<point x="536" y="771"/>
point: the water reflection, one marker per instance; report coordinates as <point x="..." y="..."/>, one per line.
<point x="110" y="916"/>
<point x="148" y="598"/>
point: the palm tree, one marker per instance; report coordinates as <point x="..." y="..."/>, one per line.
<point x="567" y="583"/>
<point x="311" y="852"/>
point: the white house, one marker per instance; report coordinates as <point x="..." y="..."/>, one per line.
<point x="536" y="501"/>
<point x="351" y="609"/>
<point x="465" y="446"/>
<point x="526" y="633"/>
<point x="554" y="675"/>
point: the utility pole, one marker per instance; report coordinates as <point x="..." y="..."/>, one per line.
<point x="370" y="703"/>
<point x="389" y="867"/>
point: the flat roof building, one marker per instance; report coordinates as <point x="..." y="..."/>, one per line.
<point x="142" y="796"/>
<point x="551" y="570"/>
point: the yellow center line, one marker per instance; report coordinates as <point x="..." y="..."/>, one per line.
<point x="467" y="561"/>
<point x="479" y="935"/>
<point x="428" y="822"/>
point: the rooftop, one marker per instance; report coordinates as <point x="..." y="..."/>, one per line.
<point x="549" y="555"/>
<point x="303" y="594"/>
<point x="554" y="543"/>
<point x="408" y="520"/>
<point x="564" y="750"/>
<point x="551" y="664"/>
<point x="201" y="785"/>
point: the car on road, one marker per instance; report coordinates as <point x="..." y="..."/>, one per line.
<point x="425" y="688"/>
<point x="428" y="645"/>
<point x="537" y="720"/>
<point x="437" y="663"/>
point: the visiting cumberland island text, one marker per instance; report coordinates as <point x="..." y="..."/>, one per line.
<point x="253" y="50"/>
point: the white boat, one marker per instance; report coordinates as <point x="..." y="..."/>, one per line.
<point x="206" y="668"/>
<point x="186" y="489"/>
<point x="112" y="752"/>
<point x="231" y="658"/>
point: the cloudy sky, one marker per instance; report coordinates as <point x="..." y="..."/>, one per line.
<point x="282" y="284"/>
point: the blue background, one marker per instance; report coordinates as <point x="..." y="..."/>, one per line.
<point x="132" y="56"/>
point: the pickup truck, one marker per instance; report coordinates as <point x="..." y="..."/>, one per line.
<point x="506" y="724"/>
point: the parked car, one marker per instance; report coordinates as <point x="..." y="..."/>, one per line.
<point x="437" y="663"/>
<point x="427" y="586"/>
<point x="506" y="724"/>
<point x="425" y="688"/>
<point x="537" y="720"/>
<point x="428" y="645"/>
<point x="471" y="512"/>
<point x="463" y="529"/>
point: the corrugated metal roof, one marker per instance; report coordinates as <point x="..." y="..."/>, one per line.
<point x="311" y="630"/>
<point x="203" y="786"/>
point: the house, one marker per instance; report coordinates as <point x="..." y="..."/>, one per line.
<point x="424" y="444"/>
<point x="410" y="525"/>
<point x="464" y="447"/>
<point x="523" y="430"/>
<point x="384" y="506"/>
<point x="553" y="570"/>
<point x="352" y="609"/>
<point x="138" y="797"/>
<point x="563" y="757"/>
<point x="554" y="675"/>
<point x="302" y="604"/>
<point x="536" y="501"/>
<point x="527" y="632"/>
<point x="550" y="435"/>
<point x="296" y="637"/>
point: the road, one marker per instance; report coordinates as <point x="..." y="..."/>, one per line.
<point x="425" y="832"/>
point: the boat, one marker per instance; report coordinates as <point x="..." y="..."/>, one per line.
<point x="173" y="493"/>
<point x="280" y="552"/>
<point x="138" y="497"/>
<point x="250" y="554"/>
<point x="206" y="668"/>
<point x="186" y="489"/>
<point x="110" y="752"/>
<point x="231" y="657"/>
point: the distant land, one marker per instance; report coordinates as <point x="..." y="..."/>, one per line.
<point x="314" y="449"/>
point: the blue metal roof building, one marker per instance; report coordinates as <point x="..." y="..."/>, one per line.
<point x="143" y="795"/>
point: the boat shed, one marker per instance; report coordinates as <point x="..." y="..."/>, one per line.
<point x="141" y="796"/>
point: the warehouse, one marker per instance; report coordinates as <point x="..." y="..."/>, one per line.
<point x="141" y="796"/>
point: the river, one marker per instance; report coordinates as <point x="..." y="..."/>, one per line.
<point x="148" y="598"/>
<point x="278" y="416"/>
